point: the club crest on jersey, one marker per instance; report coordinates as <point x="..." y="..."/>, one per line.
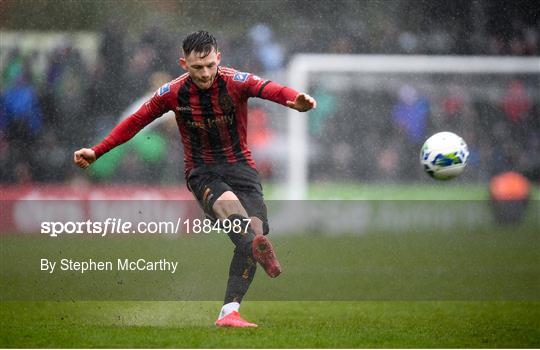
<point x="239" y="76"/>
<point x="226" y="103"/>
<point x="164" y="89"/>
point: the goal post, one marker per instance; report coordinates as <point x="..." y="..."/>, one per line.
<point x="303" y="65"/>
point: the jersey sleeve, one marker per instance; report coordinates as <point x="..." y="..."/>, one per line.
<point x="267" y="89"/>
<point x="155" y="107"/>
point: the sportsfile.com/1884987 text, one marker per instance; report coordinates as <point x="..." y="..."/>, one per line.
<point x="119" y="226"/>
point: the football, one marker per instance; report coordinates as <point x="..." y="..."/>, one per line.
<point x="444" y="155"/>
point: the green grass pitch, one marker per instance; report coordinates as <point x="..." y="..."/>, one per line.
<point x="283" y="324"/>
<point x="428" y="190"/>
<point x="418" y="289"/>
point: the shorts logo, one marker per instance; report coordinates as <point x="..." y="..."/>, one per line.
<point x="240" y="76"/>
<point x="164" y="89"/>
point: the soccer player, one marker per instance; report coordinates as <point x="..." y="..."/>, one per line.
<point x="210" y="104"/>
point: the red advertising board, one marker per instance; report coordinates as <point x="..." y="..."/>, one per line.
<point x="24" y="208"/>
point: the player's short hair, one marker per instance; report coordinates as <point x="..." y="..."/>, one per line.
<point x="201" y="42"/>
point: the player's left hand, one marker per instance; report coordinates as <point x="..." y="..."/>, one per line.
<point x="302" y="103"/>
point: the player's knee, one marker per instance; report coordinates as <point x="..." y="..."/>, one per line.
<point x="228" y="204"/>
<point x="227" y="196"/>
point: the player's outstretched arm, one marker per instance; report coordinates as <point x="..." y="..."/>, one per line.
<point x="302" y="103"/>
<point x="84" y="157"/>
<point x="123" y="132"/>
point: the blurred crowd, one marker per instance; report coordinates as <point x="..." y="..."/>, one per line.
<point x="461" y="27"/>
<point x="47" y="114"/>
<point x="381" y="140"/>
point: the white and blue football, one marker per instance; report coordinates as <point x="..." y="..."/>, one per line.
<point x="444" y="155"/>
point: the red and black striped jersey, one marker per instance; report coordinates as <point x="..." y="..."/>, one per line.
<point x="212" y="122"/>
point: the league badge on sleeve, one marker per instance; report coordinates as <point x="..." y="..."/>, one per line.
<point x="239" y="76"/>
<point x="164" y="89"/>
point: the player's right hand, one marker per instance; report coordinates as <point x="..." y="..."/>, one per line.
<point x="84" y="157"/>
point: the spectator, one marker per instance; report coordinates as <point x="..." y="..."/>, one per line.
<point x="261" y="138"/>
<point x="411" y="113"/>
<point x="269" y="52"/>
<point x="20" y="117"/>
<point x="21" y="123"/>
<point x="516" y="104"/>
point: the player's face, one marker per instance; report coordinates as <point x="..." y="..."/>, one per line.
<point x="202" y="70"/>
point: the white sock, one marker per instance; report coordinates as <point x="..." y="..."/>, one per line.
<point x="228" y="308"/>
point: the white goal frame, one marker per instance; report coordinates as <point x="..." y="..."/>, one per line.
<point x="302" y="65"/>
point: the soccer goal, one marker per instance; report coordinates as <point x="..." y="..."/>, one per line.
<point x="361" y="95"/>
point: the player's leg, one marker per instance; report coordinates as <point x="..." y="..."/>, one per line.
<point x="228" y="207"/>
<point x="209" y="188"/>
<point x="245" y="229"/>
<point x="247" y="196"/>
<point x="219" y="201"/>
<point x="246" y="184"/>
<point x="244" y="264"/>
<point x="251" y="245"/>
<point x="262" y="249"/>
<point x="241" y="272"/>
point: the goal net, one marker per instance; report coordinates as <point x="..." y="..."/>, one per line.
<point x="375" y="111"/>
